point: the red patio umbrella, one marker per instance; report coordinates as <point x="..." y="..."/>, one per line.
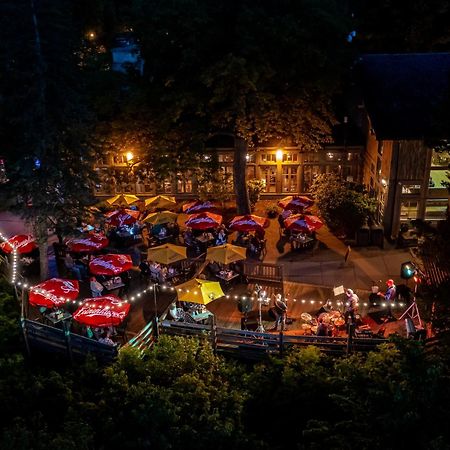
<point x="198" y="207"/>
<point x="122" y="217"/>
<point x="91" y="243"/>
<point x="105" y="311"/>
<point x="54" y="292"/>
<point x="110" y="264"/>
<point x="296" y="202"/>
<point x="204" y="221"/>
<point x="303" y="223"/>
<point x="249" y="222"/>
<point x="24" y="243"/>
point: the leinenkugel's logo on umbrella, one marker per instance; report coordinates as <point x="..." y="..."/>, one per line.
<point x="86" y="242"/>
<point x="121" y="260"/>
<point x="18" y="243"/>
<point x="67" y="286"/>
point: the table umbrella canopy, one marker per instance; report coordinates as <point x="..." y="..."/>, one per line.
<point x="203" y="221"/>
<point x="226" y="254"/>
<point x="23" y="243"/>
<point x="167" y="253"/>
<point x="198" y="206"/>
<point x="91" y="243"/>
<point x="303" y="223"/>
<point x="105" y="311"/>
<point x="110" y="264"/>
<point x="123" y="200"/>
<point x="122" y="217"/>
<point x="54" y="292"/>
<point x="250" y="222"/>
<point x="199" y="291"/>
<point x="160" y="201"/>
<point x="296" y="202"/>
<point x="159" y="218"/>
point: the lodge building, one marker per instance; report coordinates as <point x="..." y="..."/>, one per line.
<point x="385" y="144"/>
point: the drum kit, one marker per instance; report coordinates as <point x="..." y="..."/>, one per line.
<point x="333" y="319"/>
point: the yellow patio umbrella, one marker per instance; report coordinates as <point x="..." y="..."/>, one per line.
<point x="158" y="218"/>
<point x="160" y="201"/>
<point x="226" y="254"/>
<point x="122" y="200"/>
<point x="199" y="291"/>
<point x="167" y="253"/>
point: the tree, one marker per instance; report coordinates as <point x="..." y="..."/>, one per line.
<point x="265" y="73"/>
<point x="49" y="160"/>
<point x="344" y="206"/>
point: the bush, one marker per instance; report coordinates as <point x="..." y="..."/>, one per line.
<point x="255" y="187"/>
<point x="345" y="207"/>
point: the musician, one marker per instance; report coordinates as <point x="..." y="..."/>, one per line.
<point x="351" y="305"/>
<point x="280" y="307"/>
<point x="389" y="296"/>
<point x="322" y="328"/>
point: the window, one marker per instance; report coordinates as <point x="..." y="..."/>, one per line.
<point x="311" y="157"/>
<point x="411" y="189"/>
<point x="290" y="183"/>
<point x="268" y="157"/>
<point x="269" y="174"/>
<point x="408" y="210"/>
<point x="184" y="183"/>
<point x="120" y="159"/>
<point x="440" y="159"/>
<point x="437" y="178"/>
<point x="290" y="157"/>
<point x="310" y="173"/>
<point x="250" y="157"/>
<point x="436" y="209"/>
<point x="225" y="157"/>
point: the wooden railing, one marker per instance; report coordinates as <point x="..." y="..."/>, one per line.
<point x="253" y="345"/>
<point x="144" y="339"/>
<point x="54" y="340"/>
<point x="263" y="272"/>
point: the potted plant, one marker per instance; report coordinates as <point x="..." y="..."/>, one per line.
<point x="272" y="211"/>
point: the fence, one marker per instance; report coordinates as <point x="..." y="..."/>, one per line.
<point x="253" y="345"/>
<point x="54" y="340"/>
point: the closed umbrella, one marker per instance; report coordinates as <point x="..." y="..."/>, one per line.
<point x="122" y="200"/>
<point x="198" y="207"/>
<point x="23" y="243"/>
<point x="296" y="202"/>
<point x="54" y="292"/>
<point x="199" y="291"/>
<point x="160" y="202"/>
<point x="91" y="243"/>
<point x="226" y="254"/>
<point x="249" y="222"/>
<point x="204" y="221"/>
<point x="122" y="217"/>
<point x="159" y="218"/>
<point x="110" y="265"/>
<point x="167" y="253"/>
<point x="108" y="310"/>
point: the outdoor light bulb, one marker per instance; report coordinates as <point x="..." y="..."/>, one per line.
<point x="129" y="156"/>
<point x="279" y="154"/>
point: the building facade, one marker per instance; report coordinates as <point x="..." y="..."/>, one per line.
<point x="405" y="161"/>
<point x="286" y="171"/>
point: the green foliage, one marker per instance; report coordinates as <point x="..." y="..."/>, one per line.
<point x="345" y="207"/>
<point x="217" y="187"/>
<point x="255" y="187"/>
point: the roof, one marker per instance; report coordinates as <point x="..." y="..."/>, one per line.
<point x="403" y="93"/>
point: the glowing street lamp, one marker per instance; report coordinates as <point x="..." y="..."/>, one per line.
<point x="279" y="154"/>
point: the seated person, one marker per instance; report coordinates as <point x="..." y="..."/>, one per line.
<point x="221" y="238"/>
<point x="188" y="237"/>
<point x="322" y="328"/>
<point x="213" y="268"/>
<point x="104" y="339"/>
